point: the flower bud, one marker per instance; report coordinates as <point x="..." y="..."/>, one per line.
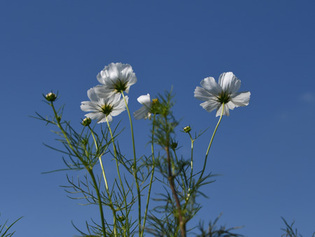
<point x="86" y="121"/>
<point x="51" y="97"/>
<point x="174" y="145"/>
<point x="187" y="129"/>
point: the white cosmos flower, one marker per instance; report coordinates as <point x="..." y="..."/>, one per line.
<point x="215" y="94"/>
<point x="115" y="78"/>
<point x="102" y="106"/>
<point x="144" y="111"/>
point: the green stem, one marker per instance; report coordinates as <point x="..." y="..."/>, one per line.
<point x="181" y="175"/>
<point x="152" y="176"/>
<point x="181" y="221"/>
<point x="99" y="200"/>
<point x="106" y="184"/>
<point x="100" y="159"/>
<point x="135" y="169"/>
<point x="210" y="143"/>
<point x="191" y="159"/>
<point x="89" y="169"/>
<point x="119" y="176"/>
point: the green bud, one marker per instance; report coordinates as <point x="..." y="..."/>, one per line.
<point x="174" y="145"/>
<point x="86" y="122"/>
<point x="187" y="129"/>
<point x="51" y="97"/>
<point x="58" y="118"/>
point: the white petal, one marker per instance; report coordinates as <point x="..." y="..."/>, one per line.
<point x="96" y="116"/>
<point x="225" y="112"/>
<point x="88" y="106"/>
<point x="210" y="105"/>
<point x="103" y="119"/>
<point x="230" y="105"/>
<point x="141" y="113"/>
<point x="229" y="82"/>
<point x="116" y="99"/>
<point x="211" y="85"/>
<point x="202" y="94"/>
<point x="144" y="99"/>
<point x="102" y="91"/>
<point x="112" y="70"/>
<point x="241" y="99"/>
<point x="109" y="118"/>
<point x="125" y="71"/>
<point x="91" y="93"/>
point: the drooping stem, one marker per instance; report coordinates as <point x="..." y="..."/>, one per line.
<point x="89" y="169"/>
<point x="210" y="143"/>
<point x="135" y="169"/>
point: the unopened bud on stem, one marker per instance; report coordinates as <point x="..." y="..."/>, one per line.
<point x="86" y="122"/>
<point x="51" y="97"/>
<point x="187" y="129"/>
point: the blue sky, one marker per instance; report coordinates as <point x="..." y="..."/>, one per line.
<point x="264" y="152"/>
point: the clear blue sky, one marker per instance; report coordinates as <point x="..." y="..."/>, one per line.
<point x="264" y="152"/>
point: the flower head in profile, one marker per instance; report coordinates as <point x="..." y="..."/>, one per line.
<point x="102" y="107"/>
<point x="225" y="92"/>
<point x="115" y="78"/>
<point x="149" y="107"/>
<point x="145" y="111"/>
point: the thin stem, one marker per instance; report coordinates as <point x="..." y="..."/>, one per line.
<point x="152" y="176"/>
<point x="172" y="185"/>
<point x="99" y="200"/>
<point x="89" y="169"/>
<point x="135" y="169"/>
<point x="182" y="224"/>
<point x="210" y="143"/>
<point x="182" y="176"/>
<point x="119" y="176"/>
<point x="106" y="185"/>
<point x="191" y="159"/>
<point x="100" y="159"/>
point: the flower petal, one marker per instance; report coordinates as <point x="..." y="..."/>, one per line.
<point x="103" y="119"/>
<point x="88" y="106"/>
<point x="230" y="105"/>
<point x="211" y="85"/>
<point x="141" y="113"/>
<point x="202" y="94"/>
<point x="225" y="112"/>
<point x="229" y="82"/>
<point x="210" y="105"/>
<point x="241" y="99"/>
<point x="92" y="94"/>
<point x="103" y="91"/>
<point x="144" y="99"/>
<point x="96" y="116"/>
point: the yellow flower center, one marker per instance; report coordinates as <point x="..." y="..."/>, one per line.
<point x="106" y="109"/>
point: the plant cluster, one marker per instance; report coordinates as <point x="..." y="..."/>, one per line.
<point x="125" y="202"/>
